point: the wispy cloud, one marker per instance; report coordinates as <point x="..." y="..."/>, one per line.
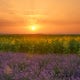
<point x="12" y="23"/>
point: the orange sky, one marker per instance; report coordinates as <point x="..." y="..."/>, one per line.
<point x="51" y="16"/>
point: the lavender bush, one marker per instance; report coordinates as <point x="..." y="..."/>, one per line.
<point x="39" y="67"/>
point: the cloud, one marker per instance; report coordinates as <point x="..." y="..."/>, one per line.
<point x="57" y="22"/>
<point x="12" y="22"/>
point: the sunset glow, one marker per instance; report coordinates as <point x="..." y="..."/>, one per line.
<point x="33" y="27"/>
<point x="54" y="16"/>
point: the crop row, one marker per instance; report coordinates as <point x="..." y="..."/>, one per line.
<point x="62" y="44"/>
<point x="39" y="67"/>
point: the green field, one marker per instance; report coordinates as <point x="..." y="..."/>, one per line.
<point x="41" y="44"/>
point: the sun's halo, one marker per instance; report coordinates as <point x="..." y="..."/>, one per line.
<point x="33" y="27"/>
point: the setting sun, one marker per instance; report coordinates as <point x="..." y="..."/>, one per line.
<point x="33" y="28"/>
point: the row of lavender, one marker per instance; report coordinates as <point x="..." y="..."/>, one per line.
<point x="39" y="67"/>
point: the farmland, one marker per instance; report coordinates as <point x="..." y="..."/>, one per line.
<point x="39" y="57"/>
<point x="21" y="66"/>
<point x="40" y="44"/>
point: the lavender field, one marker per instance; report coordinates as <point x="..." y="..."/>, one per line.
<point x="39" y="39"/>
<point x="20" y="66"/>
<point x="39" y="57"/>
